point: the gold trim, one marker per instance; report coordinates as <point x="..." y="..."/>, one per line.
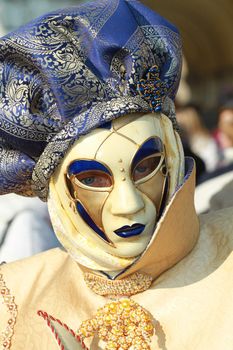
<point x="9" y="301"/>
<point x="136" y="283"/>
<point x="126" y="137"/>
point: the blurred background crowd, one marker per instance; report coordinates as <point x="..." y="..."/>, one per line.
<point x="204" y="107"/>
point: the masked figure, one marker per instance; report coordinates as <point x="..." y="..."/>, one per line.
<point x="87" y="123"/>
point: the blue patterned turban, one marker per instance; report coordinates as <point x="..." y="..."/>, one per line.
<point x="71" y="71"/>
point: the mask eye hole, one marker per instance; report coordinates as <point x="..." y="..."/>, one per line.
<point x="89" y="173"/>
<point x="146" y="167"/>
<point x="96" y="179"/>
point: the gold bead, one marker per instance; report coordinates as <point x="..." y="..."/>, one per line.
<point x="112" y="307"/>
<point x="111" y="345"/>
<point x="125" y="303"/>
<point x="149" y="327"/>
<point x="108" y="319"/>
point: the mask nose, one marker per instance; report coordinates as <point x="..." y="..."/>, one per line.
<point x="126" y="200"/>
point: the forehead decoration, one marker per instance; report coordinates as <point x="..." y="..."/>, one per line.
<point x="74" y="75"/>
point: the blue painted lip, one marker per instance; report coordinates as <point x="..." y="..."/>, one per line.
<point x="130" y="231"/>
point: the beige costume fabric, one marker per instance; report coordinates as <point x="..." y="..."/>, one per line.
<point x="190" y="298"/>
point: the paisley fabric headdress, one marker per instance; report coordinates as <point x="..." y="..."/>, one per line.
<point x="73" y="70"/>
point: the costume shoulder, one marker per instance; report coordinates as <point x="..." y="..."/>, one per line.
<point x="42" y="282"/>
<point x="214" y="250"/>
<point x="38" y="269"/>
<point x="219" y="225"/>
<point x="211" y="257"/>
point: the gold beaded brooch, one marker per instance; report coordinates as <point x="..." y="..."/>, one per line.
<point x="122" y="325"/>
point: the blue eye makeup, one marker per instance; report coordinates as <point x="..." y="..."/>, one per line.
<point x="83" y="165"/>
<point x="88" y="220"/>
<point x="90" y="173"/>
<point x="152" y="146"/>
<point x="147" y="159"/>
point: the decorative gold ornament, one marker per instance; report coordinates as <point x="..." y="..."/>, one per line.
<point x="122" y="325"/>
<point x="9" y="301"/>
<point x="133" y="284"/>
<point x="153" y="89"/>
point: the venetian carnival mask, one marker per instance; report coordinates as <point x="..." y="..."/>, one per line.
<point x="108" y="194"/>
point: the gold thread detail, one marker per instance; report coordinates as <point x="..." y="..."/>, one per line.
<point x="133" y="284"/>
<point x="9" y="301"/>
<point x="122" y="325"/>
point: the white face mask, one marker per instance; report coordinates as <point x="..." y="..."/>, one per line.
<point x="111" y="186"/>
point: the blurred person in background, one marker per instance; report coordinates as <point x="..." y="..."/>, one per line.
<point x="199" y="137"/>
<point x="225" y="131"/>
<point x="25" y="227"/>
<point x="200" y="165"/>
<point x="216" y="191"/>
